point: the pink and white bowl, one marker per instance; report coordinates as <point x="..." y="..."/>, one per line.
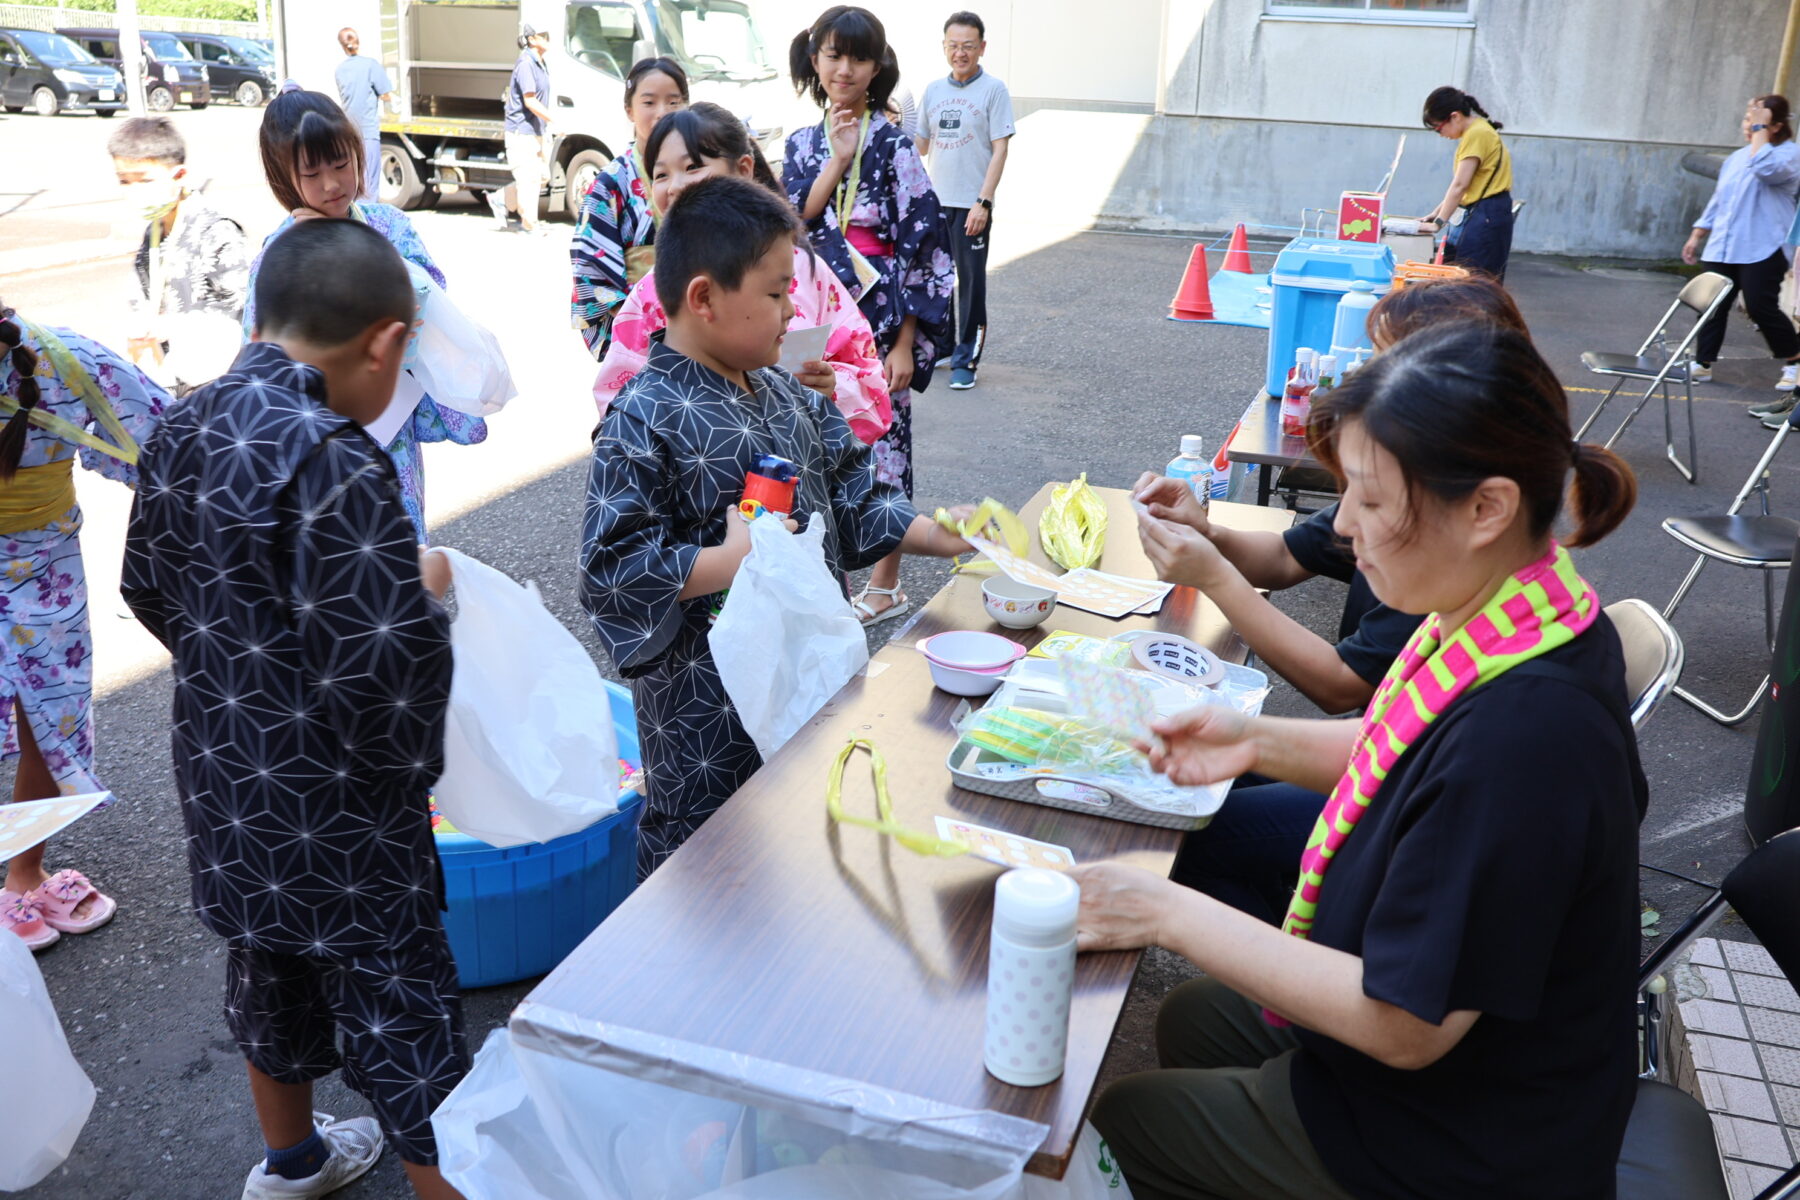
<point x="967" y="662"/>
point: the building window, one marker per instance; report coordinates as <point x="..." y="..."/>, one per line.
<point x="1453" y="11"/>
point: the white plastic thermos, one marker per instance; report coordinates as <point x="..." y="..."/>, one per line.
<point x="1031" y="975"/>
<point x="1350" y="326"/>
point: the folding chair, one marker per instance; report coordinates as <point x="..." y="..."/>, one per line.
<point x="1760" y="542"/>
<point x="1669" y="1151"/>
<point x="1653" y="655"/>
<point x="1656" y="362"/>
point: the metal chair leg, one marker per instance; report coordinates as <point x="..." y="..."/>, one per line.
<point x="1633" y="414"/>
<point x="1688" y="472"/>
<point x="1726" y="719"/>
<point x="1598" y="409"/>
<point x="1687" y="584"/>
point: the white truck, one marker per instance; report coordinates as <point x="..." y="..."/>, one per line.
<point x="451" y="62"/>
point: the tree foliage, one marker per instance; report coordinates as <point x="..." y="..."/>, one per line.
<point x="212" y="10"/>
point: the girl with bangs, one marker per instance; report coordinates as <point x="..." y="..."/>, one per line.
<point x="615" y="238"/>
<point x="873" y="217"/>
<point x="697" y="143"/>
<point x="312" y="157"/>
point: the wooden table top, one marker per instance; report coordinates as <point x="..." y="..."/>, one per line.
<point x="775" y="933"/>
<point x="1259" y="438"/>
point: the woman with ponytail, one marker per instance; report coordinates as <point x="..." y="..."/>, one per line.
<point x="873" y="217"/>
<point x="1478" y="206"/>
<point x="61" y="395"/>
<point x="696" y="143"/>
<point x="1446" y="1009"/>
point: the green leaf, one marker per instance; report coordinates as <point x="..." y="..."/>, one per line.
<point x="1650" y="917"/>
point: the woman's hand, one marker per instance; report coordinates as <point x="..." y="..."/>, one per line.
<point x="1759" y="114"/>
<point x="1171" y="500"/>
<point x="1203" y="745"/>
<point x="1120" y="907"/>
<point x="898" y="366"/>
<point x="1690" y="250"/>
<point x="1182" y="555"/>
<point x="819" y="377"/>
<point x="842" y="132"/>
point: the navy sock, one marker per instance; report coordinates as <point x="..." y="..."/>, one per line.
<point x="299" y="1162"/>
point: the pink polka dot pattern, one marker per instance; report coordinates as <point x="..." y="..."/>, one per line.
<point x="1027" y="1030"/>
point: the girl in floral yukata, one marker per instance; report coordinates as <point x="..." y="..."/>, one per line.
<point x="59" y="394"/>
<point x="312" y="158"/>
<point x="696" y="143"/>
<point x="872" y="216"/>
<point x="613" y="248"/>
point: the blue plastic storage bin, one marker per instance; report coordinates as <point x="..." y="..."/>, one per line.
<point x="1311" y="275"/>
<point x="517" y="912"/>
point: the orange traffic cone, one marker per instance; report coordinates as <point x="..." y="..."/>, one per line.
<point x="1193" y="300"/>
<point x="1237" y="255"/>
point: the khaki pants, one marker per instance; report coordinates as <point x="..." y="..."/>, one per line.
<point x="525" y="155"/>
<point x="1218" y="1123"/>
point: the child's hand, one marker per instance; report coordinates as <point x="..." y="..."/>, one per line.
<point x="843" y="132"/>
<point x="898" y="366"/>
<point x="819" y="377"/>
<point x="434" y="571"/>
<point x="306" y="214"/>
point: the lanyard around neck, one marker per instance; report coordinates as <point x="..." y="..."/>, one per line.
<point x="846" y="197"/>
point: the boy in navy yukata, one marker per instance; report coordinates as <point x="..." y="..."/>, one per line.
<point x="269" y="550"/>
<point x="662" y="537"/>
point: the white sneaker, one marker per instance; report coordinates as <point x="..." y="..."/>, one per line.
<point x="355" y="1145"/>
<point x="1699" y="374"/>
<point x="1790" y="375"/>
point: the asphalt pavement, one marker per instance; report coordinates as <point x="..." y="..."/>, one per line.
<point x="1083" y="373"/>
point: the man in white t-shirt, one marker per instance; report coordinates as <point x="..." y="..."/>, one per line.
<point x="965" y="123"/>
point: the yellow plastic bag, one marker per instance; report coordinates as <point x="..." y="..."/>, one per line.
<point x="1073" y="527"/>
<point x="992" y="522"/>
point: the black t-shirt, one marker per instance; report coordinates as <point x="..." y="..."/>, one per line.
<point x="1495" y="871"/>
<point x="1370" y="634"/>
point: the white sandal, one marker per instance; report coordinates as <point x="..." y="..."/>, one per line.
<point x="900" y="605"/>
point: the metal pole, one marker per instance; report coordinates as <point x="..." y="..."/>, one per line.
<point x="131" y="56"/>
<point x="1788" y="39"/>
<point x="278" y="31"/>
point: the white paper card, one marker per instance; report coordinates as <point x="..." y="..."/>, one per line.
<point x="802" y="346"/>
<point x="407" y="394"/>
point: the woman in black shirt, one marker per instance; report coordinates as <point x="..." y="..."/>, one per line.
<point x="1447" y="1010"/>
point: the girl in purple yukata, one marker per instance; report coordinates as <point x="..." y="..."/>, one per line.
<point x="873" y="216"/>
<point x="61" y="395"/>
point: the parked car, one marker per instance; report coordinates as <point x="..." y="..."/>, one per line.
<point x="171" y="75"/>
<point x="239" y="68"/>
<point x="48" y="74"/>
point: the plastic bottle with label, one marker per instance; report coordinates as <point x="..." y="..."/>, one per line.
<point x="1296" y="397"/>
<point x="1194" y="468"/>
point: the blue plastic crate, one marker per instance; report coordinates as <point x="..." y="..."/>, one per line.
<point x="517" y="912"/>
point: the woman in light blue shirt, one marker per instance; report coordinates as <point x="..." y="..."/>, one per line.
<point x="1745" y="227"/>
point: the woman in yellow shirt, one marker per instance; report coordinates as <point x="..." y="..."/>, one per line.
<point x="1479" y="203"/>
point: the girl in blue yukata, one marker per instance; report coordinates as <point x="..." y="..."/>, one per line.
<point x="312" y="157"/>
<point x="62" y="397"/>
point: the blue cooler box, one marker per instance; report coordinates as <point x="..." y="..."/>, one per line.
<point x="518" y="912"/>
<point x="1311" y="275"/>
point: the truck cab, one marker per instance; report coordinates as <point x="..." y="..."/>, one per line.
<point x="451" y="62"/>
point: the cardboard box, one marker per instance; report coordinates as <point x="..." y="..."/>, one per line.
<point x="1359" y="216"/>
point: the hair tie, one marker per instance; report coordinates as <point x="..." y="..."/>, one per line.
<point x="1575" y="444"/>
<point x="290" y="85"/>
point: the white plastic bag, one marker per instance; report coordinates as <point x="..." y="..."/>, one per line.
<point x="36" y="1137"/>
<point x="786" y="640"/>
<point x="1093" y="1174"/>
<point x="529" y="750"/>
<point x="458" y="361"/>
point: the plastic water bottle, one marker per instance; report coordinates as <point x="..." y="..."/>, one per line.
<point x="1296" y="398"/>
<point x="1031" y="976"/>
<point x="1194" y="468"/>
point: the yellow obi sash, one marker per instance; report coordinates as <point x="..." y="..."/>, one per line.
<point x="37" y="496"/>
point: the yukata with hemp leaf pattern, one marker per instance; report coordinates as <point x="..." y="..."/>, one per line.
<point x="431" y="421"/>
<point x="894" y="221"/>
<point x="46" y="646"/>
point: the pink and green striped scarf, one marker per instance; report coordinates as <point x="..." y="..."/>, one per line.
<point x="1539" y="608"/>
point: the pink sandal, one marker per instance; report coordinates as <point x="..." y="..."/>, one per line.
<point x="60" y="895"/>
<point x="25" y="917"/>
